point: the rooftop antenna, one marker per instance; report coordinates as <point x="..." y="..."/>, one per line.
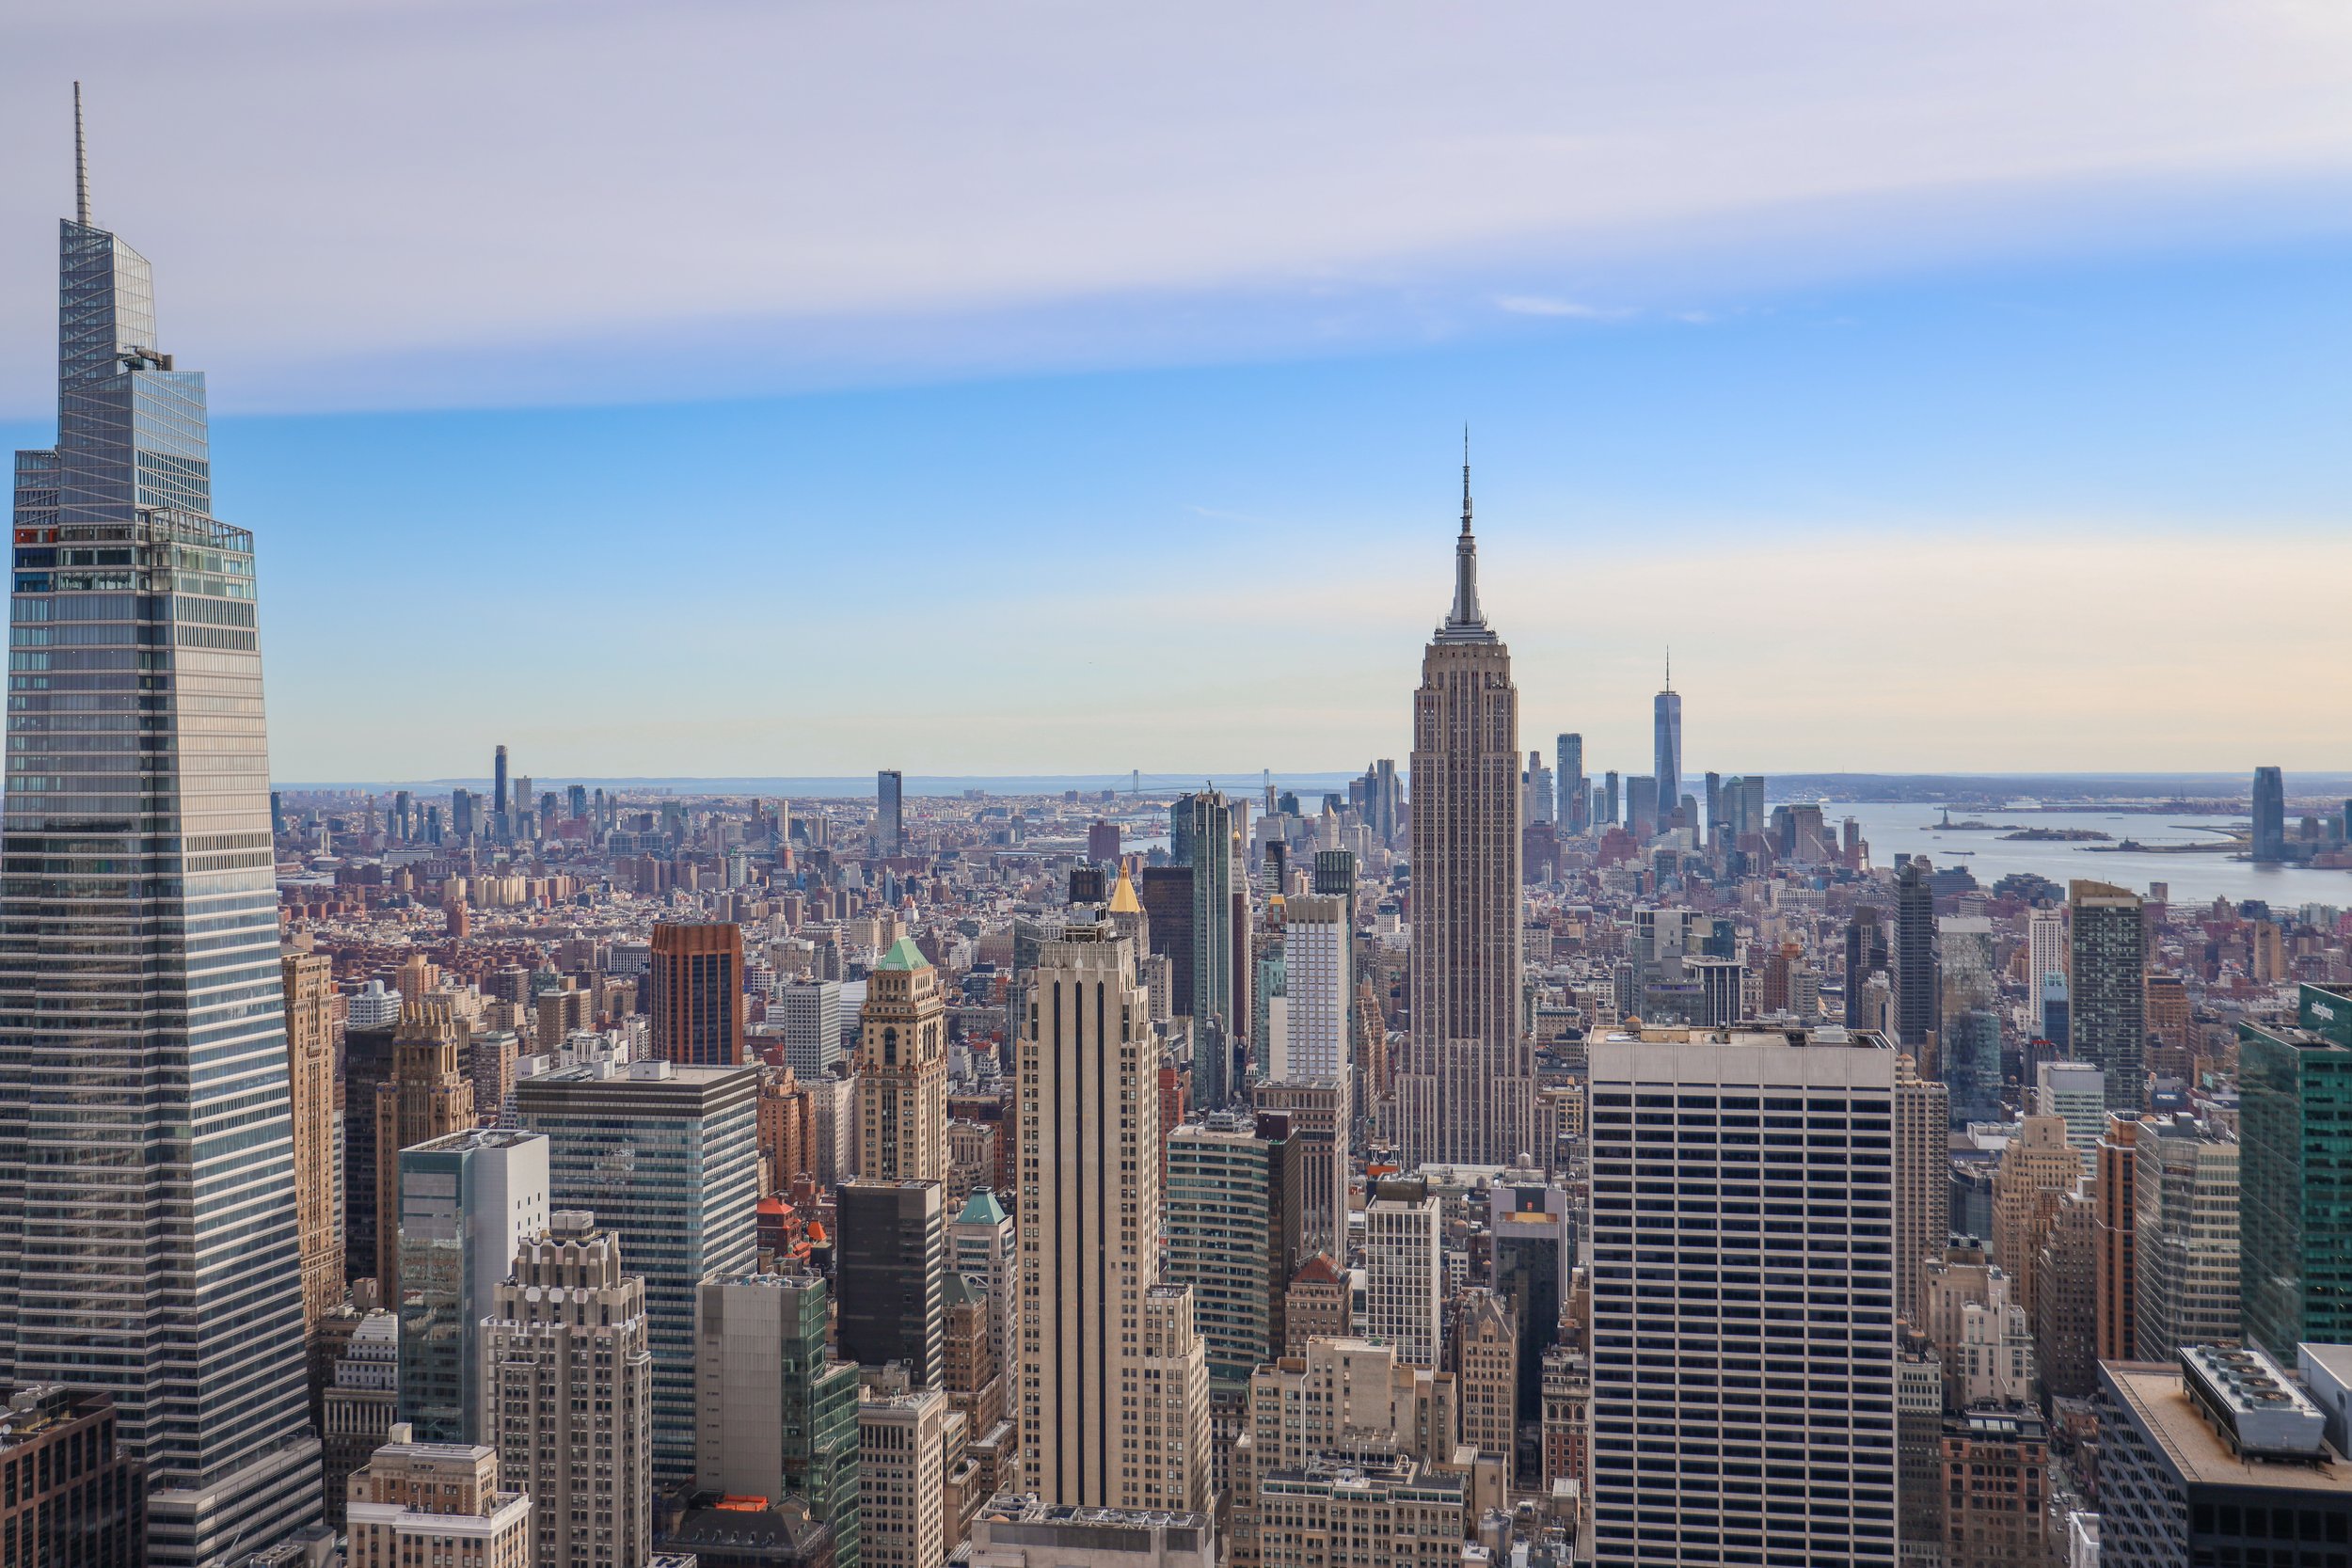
<point x="1670" y="667"/>
<point x="81" y="164"/>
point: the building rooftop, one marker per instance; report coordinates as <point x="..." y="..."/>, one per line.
<point x="2157" y="1396"/>
<point x="981" y="1208"/>
<point x="903" y="954"/>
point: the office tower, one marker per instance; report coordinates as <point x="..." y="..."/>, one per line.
<point x="359" y="1405"/>
<point x="1405" y="1269"/>
<point x="2116" y="1280"/>
<point x="74" y="1497"/>
<point x="1172" y="1455"/>
<point x="1234" y="1214"/>
<point x="437" y="1503"/>
<point x="575" y="801"/>
<point x="890" y="1272"/>
<point x="1996" y="1467"/>
<point x="1744" y="1374"/>
<point x="1202" y="839"/>
<point x="1335" y="878"/>
<point x="810" y="1012"/>
<point x="1467" y="1092"/>
<point x="667" y="1156"/>
<point x="2076" y="1093"/>
<point x="2185" y="1234"/>
<point x="1575" y="795"/>
<point x="2045" y="947"/>
<point x="1319" y="1111"/>
<point x="902" y="1070"/>
<point x="567" y="1394"/>
<point x="1917" y="991"/>
<point x="499" y="803"/>
<point x="901" y="1483"/>
<point x="1166" y="894"/>
<point x="1923" y="1191"/>
<point x="466" y="1203"/>
<point x="2039" y="1170"/>
<point x="308" y="984"/>
<point x="2269" y="837"/>
<point x="2295" y="1176"/>
<point x="889" y="812"/>
<point x="2107" y="983"/>
<point x="697" y="989"/>
<point x="1644" y="814"/>
<point x="1866" y="955"/>
<point x="1318" y="955"/>
<point x="1533" y="1231"/>
<point x="1743" y="807"/>
<point x="1983" y="1339"/>
<point x="1968" y="1022"/>
<point x="144" y="1064"/>
<point x="428" y="1096"/>
<point x="1483" y="1353"/>
<point x="778" y="1412"/>
<point x="1536" y="803"/>
<point x="2065" y="1308"/>
<point x="1089" y="1214"/>
<point x="981" y="1246"/>
<point x="1719" y="982"/>
<point x="2171" y="1037"/>
<point x="1920" y="1449"/>
<point x="2213" y="1460"/>
<point x="1667" y="747"/>
<point x="2056" y="1015"/>
<point x="974" y="1379"/>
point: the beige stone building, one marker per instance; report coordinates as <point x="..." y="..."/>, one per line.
<point x="437" y="1504"/>
<point x="902" y="1071"/>
<point x="309" y="985"/>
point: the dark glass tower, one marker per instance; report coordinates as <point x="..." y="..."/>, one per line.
<point x="1918" y="991"/>
<point x="2270" y="814"/>
<point x="147" y="1209"/>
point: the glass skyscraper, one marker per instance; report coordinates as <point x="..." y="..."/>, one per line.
<point x="147" y="1209"/>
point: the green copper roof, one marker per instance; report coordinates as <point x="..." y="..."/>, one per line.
<point x="983" y="1209"/>
<point x="903" y="954"/>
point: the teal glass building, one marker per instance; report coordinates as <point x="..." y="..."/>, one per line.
<point x="2294" y="1175"/>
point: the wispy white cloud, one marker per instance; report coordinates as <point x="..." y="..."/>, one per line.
<point x="426" y="203"/>
<point x="1540" y="304"/>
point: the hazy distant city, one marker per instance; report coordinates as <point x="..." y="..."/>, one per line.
<point x="1520" y="1141"/>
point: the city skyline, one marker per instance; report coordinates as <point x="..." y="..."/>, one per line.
<point x="1901" y="407"/>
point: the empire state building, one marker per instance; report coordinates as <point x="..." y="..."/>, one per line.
<point x="1467" y="1095"/>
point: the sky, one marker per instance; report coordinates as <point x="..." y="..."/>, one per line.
<point x="798" y="389"/>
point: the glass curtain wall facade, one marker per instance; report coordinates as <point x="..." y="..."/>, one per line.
<point x="2295" y="1177"/>
<point x="147" y="1232"/>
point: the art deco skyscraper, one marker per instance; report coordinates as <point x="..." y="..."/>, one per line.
<point x="149" y="1242"/>
<point x="1468" y="1093"/>
<point x="902" y="1071"/>
<point x="309" y="983"/>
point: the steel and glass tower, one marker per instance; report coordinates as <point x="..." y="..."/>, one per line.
<point x="148" y="1230"/>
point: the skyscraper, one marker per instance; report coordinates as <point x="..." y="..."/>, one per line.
<point x="1576" y="796"/>
<point x="889" y="812"/>
<point x="467" y="1202"/>
<point x="309" y="983"/>
<point x="2108" y="989"/>
<point x="1467" y="1092"/>
<point x="902" y="1070"/>
<point x="500" y="804"/>
<point x="1201" y="837"/>
<point x="891" y="1275"/>
<point x="697" y="980"/>
<point x="1866" y="955"/>
<point x="142" y="1066"/>
<point x="1090" y="1216"/>
<point x="2270" y="814"/>
<point x="778" y="1414"/>
<point x="1918" y="992"/>
<point x="1666" y="746"/>
<point x="2294" y="1175"/>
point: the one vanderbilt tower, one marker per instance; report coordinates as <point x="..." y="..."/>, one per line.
<point x="1468" y="1094"/>
<point x="146" y="1211"/>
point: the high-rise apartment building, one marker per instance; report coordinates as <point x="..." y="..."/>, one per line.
<point x="890" y="1276"/>
<point x="142" y="1063"/>
<point x="1089" y="1218"/>
<point x="1575" y="795"/>
<point x="2045" y="947"/>
<point x="467" y="1202"/>
<point x="437" y="1503"/>
<point x="567" y="1395"/>
<point x="668" y="1157"/>
<point x="2038" y="1172"/>
<point x="1320" y="1112"/>
<point x="1318" y="960"/>
<point x="2107" y="988"/>
<point x="2076" y="1094"/>
<point x="1467" y="1095"/>
<point x="1405" y="1269"/>
<point x="1783" y="1340"/>
<point x="902" y="1071"/>
<point x="778" y="1414"/>
<point x="2269" y="837"/>
<point x="697" y="990"/>
<point x="2115" y="1281"/>
<point x="890" y="834"/>
<point x="307" y="981"/>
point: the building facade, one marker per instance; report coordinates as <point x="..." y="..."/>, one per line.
<point x="697" y="992"/>
<point x="902" y="1071"/>
<point x="890" y="1276"/>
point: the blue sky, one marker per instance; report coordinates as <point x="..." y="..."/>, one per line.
<point x="1992" y="420"/>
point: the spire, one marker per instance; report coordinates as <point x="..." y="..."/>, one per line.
<point x="81" y="164"/>
<point x="1670" y="667"/>
<point x="1465" y="625"/>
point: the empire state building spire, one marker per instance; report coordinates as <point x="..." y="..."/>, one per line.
<point x="1465" y="623"/>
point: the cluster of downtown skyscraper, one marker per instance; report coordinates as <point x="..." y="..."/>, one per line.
<point x="1487" y="1162"/>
